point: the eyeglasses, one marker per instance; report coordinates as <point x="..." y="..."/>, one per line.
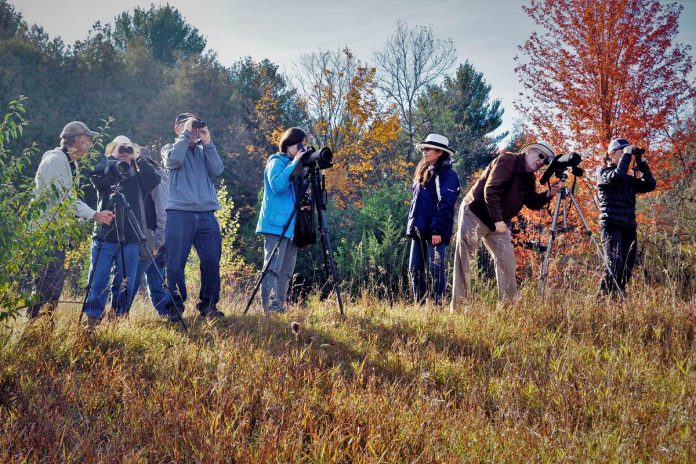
<point x="125" y="149"/>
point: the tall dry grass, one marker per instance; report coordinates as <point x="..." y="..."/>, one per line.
<point x="567" y="379"/>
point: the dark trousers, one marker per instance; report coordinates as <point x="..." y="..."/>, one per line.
<point x="620" y="245"/>
<point x="48" y="284"/>
<point x="202" y="231"/>
<point x="423" y="251"/>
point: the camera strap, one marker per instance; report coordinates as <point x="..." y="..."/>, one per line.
<point x="437" y="187"/>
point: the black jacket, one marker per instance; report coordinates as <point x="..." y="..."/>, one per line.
<point x="618" y="189"/>
<point x="432" y="206"/>
<point x="144" y="178"/>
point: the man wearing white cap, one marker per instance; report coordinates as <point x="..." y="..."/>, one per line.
<point x="56" y="183"/>
<point x="504" y="187"/>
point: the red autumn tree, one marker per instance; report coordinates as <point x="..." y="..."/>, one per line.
<point x="600" y="69"/>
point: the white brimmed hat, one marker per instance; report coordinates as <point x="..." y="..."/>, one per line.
<point x="122" y="140"/>
<point x="541" y="146"/>
<point x="436" y="141"/>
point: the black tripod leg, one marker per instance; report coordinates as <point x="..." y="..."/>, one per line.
<point x="88" y="288"/>
<point x="600" y="252"/>
<point x="329" y="261"/>
<point x="276" y="247"/>
<point x="549" y="246"/>
<point x="265" y="268"/>
<point x="143" y="243"/>
<point x="125" y="283"/>
<point x="103" y="232"/>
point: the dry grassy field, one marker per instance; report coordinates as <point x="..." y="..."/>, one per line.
<point x="568" y="379"/>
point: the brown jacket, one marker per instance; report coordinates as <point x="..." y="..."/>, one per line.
<point x="502" y="189"/>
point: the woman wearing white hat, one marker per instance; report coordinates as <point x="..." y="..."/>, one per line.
<point x="431" y="216"/>
<point x="140" y="180"/>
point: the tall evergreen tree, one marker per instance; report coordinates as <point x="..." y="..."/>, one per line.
<point x="461" y="110"/>
<point x="163" y="29"/>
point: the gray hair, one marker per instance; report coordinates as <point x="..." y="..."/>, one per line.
<point x="68" y="141"/>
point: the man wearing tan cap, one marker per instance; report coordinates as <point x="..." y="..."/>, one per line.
<point x="504" y="187"/>
<point x="56" y="182"/>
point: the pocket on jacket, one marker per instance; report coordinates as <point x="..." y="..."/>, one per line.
<point x="279" y="218"/>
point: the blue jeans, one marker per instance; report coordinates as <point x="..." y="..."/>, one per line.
<point x="101" y="269"/>
<point x="202" y="231"/>
<point x="155" y="288"/>
<point x="422" y="250"/>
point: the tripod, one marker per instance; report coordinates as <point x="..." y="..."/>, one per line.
<point x="117" y="202"/>
<point x="563" y="193"/>
<point x="314" y="178"/>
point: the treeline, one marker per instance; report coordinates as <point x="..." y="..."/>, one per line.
<point x="151" y="64"/>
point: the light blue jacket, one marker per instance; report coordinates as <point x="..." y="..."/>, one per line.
<point x="278" y="196"/>
<point x="191" y="172"/>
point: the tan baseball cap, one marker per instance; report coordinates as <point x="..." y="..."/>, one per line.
<point x="75" y="128"/>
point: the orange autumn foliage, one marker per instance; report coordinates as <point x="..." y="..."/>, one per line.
<point x="349" y="117"/>
<point x="598" y="70"/>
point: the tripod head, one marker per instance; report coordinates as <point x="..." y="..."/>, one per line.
<point x="559" y="166"/>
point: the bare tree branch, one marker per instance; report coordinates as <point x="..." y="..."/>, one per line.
<point x="411" y="60"/>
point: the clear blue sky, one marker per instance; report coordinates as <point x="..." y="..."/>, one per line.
<point x="486" y="33"/>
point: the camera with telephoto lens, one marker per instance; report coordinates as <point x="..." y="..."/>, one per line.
<point x="112" y="167"/>
<point x="560" y="164"/>
<point x="323" y="158"/>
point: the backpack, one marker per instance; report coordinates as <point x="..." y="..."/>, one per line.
<point x="305" y="233"/>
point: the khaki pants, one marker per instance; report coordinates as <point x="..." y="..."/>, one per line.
<point x="470" y="230"/>
<point x="275" y="284"/>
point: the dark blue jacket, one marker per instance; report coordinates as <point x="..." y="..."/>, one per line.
<point x="432" y="213"/>
<point x="618" y="189"/>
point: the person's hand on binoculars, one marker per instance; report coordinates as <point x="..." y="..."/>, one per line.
<point x="204" y="134"/>
<point x="437" y="239"/>
<point x="104" y="217"/>
<point x="500" y="227"/>
<point x="301" y="150"/>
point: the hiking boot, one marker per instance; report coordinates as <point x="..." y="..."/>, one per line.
<point x="213" y="313"/>
<point x="173" y="314"/>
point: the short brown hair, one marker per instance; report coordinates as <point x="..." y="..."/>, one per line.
<point x="291" y="137"/>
